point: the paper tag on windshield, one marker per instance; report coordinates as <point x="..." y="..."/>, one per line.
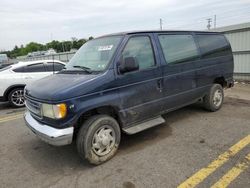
<point x="104" y="48"/>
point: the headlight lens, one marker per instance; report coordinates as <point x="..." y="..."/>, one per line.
<point x="57" y="111"/>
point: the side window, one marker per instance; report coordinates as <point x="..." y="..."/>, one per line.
<point x="35" y="68"/>
<point x="141" y="49"/>
<point x="213" y="45"/>
<point x="54" y="66"/>
<point x="178" y="48"/>
<point x="20" y="69"/>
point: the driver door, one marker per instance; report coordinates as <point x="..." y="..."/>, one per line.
<point x="140" y="91"/>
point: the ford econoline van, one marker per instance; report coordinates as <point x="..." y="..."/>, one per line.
<point x="124" y="82"/>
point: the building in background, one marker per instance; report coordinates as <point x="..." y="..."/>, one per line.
<point x="239" y="38"/>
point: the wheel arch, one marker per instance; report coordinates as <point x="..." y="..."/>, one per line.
<point x="105" y="110"/>
<point x="10" y="88"/>
<point x="221" y="80"/>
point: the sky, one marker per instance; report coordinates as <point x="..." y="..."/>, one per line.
<point x="24" y="21"/>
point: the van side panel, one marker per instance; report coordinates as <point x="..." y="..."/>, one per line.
<point x="217" y="59"/>
<point x="179" y="76"/>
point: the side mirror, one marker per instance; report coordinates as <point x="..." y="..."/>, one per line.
<point x="128" y="64"/>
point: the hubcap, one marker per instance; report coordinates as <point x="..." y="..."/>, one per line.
<point x="103" y="140"/>
<point x="217" y="99"/>
<point x="17" y="98"/>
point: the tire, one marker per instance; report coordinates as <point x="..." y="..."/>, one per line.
<point x="98" y="139"/>
<point x="214" y="99"/>
<point x="16" y="97"/>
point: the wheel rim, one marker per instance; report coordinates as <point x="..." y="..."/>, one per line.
<point x="217" y="99"/>
<point x="103" y="140"/>
<point x="17" y="98"/>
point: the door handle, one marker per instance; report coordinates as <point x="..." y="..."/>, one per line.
<point x="159" y="84"/>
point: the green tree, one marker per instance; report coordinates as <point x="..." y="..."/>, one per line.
<point x="90" y="38"/>
<point x="55" y="45"/>
<point x="80" y="43"/>
<point x="62" y="46"/>
<point x="33" y="47"/>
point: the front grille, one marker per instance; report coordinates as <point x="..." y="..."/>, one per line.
<point x="34" y="107"/>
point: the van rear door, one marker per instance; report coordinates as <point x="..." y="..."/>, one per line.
<point x="217" y="59"/>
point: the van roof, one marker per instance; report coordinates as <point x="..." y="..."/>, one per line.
<point x="158" y="31"/>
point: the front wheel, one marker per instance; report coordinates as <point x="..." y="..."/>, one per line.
<point x="98" y="139"/>
<point x="214" y="99"/>
<point x="16" y="97"/>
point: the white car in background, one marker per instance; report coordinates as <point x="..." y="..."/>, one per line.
<point x="14" y="78"/>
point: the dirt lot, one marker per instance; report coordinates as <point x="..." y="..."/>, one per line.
<point x="193" y="147"/>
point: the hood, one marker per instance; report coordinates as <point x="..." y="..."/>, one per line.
<point x="60" y="86"/>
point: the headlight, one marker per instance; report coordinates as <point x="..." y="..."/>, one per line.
<point x="57" y="111"/>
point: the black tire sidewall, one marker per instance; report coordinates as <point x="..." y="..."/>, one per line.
<point x="10" y="100"/>
<point x="209" y="99"/>
<point x="86" y="133"/>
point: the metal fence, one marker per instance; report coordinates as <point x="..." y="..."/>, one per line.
<point x="65" y="57"/>
<point x="239" y="38"/>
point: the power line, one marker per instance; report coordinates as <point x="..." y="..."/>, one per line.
<point x="225" y="15"/>
<point x="209" y="21"/>
<point x="199" y="21"/>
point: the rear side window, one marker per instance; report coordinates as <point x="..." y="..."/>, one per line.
<point x="54" y="66"/>
<point x="31" y="68"/>
<point x="35" y="68"/>
<point x="213" y="45"/>
<point x="20" y="69"/>
<point x="141" y="49"/>
<point x="178" y="48"/>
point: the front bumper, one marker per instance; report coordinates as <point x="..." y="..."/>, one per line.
<point x="53" y="136"/>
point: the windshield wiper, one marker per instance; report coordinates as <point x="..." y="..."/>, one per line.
<point x="86" y="69"/>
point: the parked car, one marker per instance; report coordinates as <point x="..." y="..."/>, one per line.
<point x="14" y="78"/>
<point x="123" y="83"/>
<point x="3" y="60"/>
<point x="50" y="51"/>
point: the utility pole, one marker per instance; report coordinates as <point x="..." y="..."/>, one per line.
<point x="51" y="36"/>
<point x="160" y="24"/>
<point x="214" y="21"/>
<point x="63" y="46"/>
<point x="209" y="21"/>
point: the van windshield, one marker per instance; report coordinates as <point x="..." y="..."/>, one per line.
<point x="94" y="55"/>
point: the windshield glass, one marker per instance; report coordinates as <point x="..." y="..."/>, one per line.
<point x="94" y="55"/>
<point x="3" y="57"/>
<point x="4" y="68"/>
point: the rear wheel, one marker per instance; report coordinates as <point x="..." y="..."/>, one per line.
<point x="98" y="139"/>
<point x="16" y="97"/>
<point x="214" y="99"/>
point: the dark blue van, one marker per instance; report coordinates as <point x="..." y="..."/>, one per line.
<point x="123" y="83"/>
